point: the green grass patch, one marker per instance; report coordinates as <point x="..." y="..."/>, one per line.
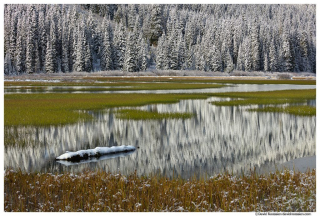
<point x="280" y="94"/>
<point x="272" y="97"/>
<point x="134" y="114"/>
<point x="60" y="109"/>
<point x="266" y="97"/>
<point x="105" y="192"/>
<point x="115" y="86"/>
<point x="292" y="82"/>
<point x="294" y="110"/>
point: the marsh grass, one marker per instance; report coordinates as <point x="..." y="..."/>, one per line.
<point x="287" y="191"/>
<point x="301" y="94"/>
<point x="68" y="108"/>
<point x="60" y="109"/>
<point x="272" y="97"/>
<point x="134" y="114"/>
<point x="294" y="110"/>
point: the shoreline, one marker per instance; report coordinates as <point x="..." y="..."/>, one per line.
<point x="236" y="75"/>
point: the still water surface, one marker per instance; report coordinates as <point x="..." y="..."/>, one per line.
<point x="108" y="89"/>
<point x="216" y="139"/>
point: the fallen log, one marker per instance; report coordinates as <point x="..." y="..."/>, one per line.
<point x="96" y="152"/>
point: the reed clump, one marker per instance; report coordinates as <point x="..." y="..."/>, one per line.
<point x="287" y="191"/>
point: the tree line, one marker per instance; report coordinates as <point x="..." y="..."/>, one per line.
<point x="66" y="38"/>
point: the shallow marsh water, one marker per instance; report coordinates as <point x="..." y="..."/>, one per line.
<point x="108" y="89"/>
<point x="216" y="139"/>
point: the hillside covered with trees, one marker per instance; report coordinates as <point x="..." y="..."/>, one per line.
<point x="70" y="38"/>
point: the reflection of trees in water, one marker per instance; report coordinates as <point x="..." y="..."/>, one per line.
<point x="216" y="139"/>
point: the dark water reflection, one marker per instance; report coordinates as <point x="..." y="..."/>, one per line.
<point x="217" y="139"/>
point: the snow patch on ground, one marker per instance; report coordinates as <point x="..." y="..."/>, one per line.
<point x="32" y="80"/>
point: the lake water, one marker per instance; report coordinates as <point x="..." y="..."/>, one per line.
<point x="108" y="89"/>
<point x="215" y="140"/>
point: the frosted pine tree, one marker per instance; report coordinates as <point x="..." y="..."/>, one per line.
<point x="20" y="56"/>
<point x="237" y="37"/>
<point x="173" y="51"/>
<point x="255" y="47"/>
<point x="131" y="55"/>
<point x="80" y="51"/>
<point x="13" y="36"/>
<point x="72" y="34"/>
<point x="120" y="46"/>
<point x="73" y="48"/>
<point x="58" y="42"/>
<point x="88" y="58"/>
<point x="190" y="59"/>
<point x="247" y="55"/>
<point x="51" y="61"/>
<point x="156" y="24"/>
<point x="50" y="58"/>
<point x="190" y="33"/>
<point x="8" y="68"/>
<point x="167" y="54"/>
<point x="229" y="66"/>
<point x="215" y="59"/>
<point x="132" y="16"/>
<point x="32" y="41"/>
<point x="65" y="51"/>
<point x="160" y="57"/>
<point x="312" y="56"/>
<point x="200" y="59"/>
<point x="106" y="62"/>
<point x="273" y="57"/>
<point x="37" y="59"/>
<point x="240" y="60"/>
<point x="181" y="50"/>
<point x="30" y="57"/>
<point x="266" y="61"/>
<point x="42" y="39"/>
<point x="287" y="63"/>
<point x="304" y="50"/>
<point x="7" y="26"/>
<point x="144" y="58"/>
<point x="142" y="48"/>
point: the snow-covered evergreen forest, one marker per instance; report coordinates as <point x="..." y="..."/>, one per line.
<point x="70" y="38"/>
